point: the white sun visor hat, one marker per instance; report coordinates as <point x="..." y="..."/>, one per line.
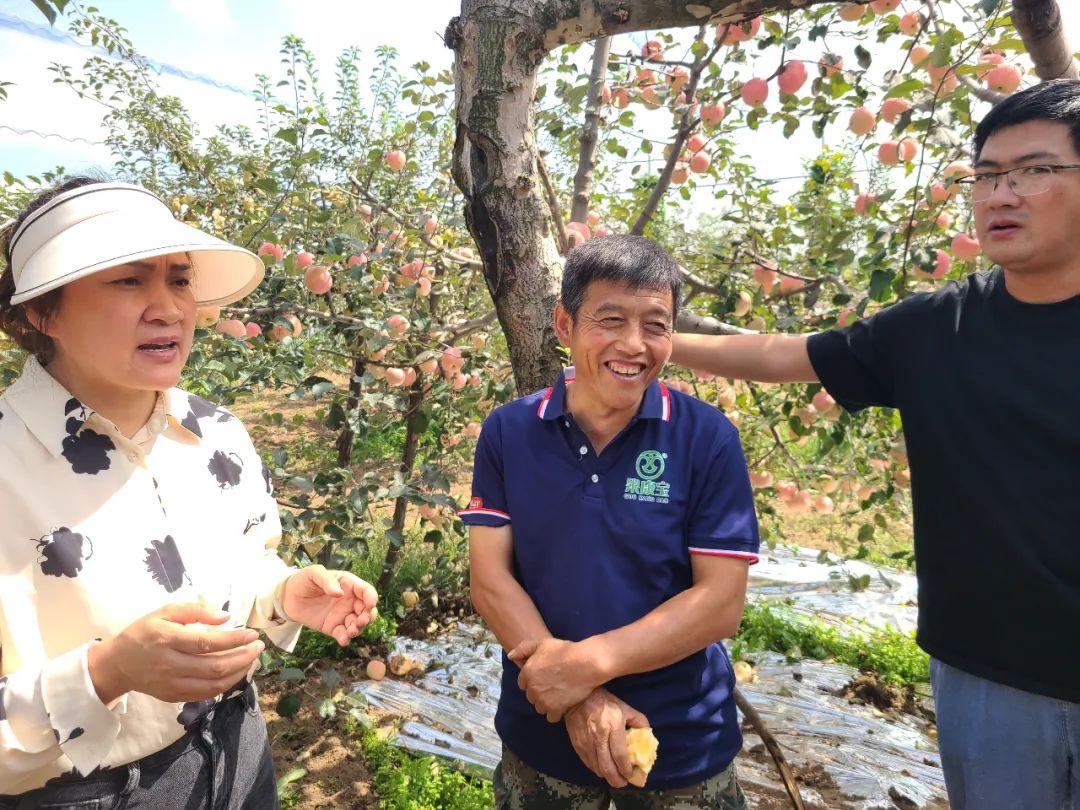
<point x="102" y="225"/>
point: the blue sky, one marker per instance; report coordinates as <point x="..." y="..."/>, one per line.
<point x="229" y="41"/>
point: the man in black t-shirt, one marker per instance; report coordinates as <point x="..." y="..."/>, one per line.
<point x="986" y="375"/>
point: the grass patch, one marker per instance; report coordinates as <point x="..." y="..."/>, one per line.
<point x="891" y="654"/>
<point x="405" y="782"/>
<point x="314" y="646"/>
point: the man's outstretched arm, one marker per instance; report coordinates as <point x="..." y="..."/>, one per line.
<point x="764" y="358"/>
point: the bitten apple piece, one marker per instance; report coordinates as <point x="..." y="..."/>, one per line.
<point x="643" y="745"/>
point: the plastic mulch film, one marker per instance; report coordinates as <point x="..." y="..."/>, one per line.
<point x="836" y="591"/>
<point x="872" y="759"/>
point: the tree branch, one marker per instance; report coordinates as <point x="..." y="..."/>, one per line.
<point x="293" y="308"/>
<point x="686" y="126"/>
<point x="466" y="328"/>
<point x="364" y="194"/>
<point x="691" y="323"/>
<point x="553" y="204"/>
<point x="583" y="180"/>
<point x="750" y="713"/>
<point x="1039" y="24"/>
<point x="455" y="332"/>
<point x="575" y="21"/>
<point x="980" y="92"/>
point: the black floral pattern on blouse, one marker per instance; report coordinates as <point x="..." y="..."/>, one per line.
<point x="62" y="552"/>
<point x="266" y="479"/>
<point x="191" y="422"/>
<point x="165" y="564"/>
<point x="88" y="451"/>
<point x="199" y="408"/>
<point x="252" y="522"/>
<point x="74" y="735"/>
<point x="192" y="712"/>
<point x="226" y="468"/>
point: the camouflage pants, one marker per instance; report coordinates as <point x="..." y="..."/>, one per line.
<point x="521" y="787"/>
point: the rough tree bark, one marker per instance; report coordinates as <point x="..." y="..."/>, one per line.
<point x="583" y="180"/>
<point x="499" y="46"/>
<point x="1039" y="24"/>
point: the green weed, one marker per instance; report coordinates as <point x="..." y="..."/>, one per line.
<point x="891" y="654"/>
<point x="405" y="782"/>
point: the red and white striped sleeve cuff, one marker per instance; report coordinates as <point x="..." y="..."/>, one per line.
<point x="749" y="556"/>
<point x="483" y="516"/>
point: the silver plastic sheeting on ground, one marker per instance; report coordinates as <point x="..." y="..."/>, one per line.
<point x="834" y="591"/>
<point x="878" y="760"/>
<point x="867" y="754"/>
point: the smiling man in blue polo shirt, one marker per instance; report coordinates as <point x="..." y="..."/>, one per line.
<point x="611" y="527"/>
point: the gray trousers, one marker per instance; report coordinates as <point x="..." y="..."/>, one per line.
<point x="223" y="763"/>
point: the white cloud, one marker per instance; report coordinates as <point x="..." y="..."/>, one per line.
<point x="214" y="14"/>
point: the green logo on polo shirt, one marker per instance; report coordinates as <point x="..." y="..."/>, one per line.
<point x="649" y="467"/>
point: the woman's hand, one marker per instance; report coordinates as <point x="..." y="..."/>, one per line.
<point x="170" y="655"/>
<point x="336" y="603"/>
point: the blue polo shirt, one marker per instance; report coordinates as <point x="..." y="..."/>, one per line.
<point x="600" y="541"/>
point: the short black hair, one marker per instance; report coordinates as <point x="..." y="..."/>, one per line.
<point x="636" y="261"/>
<point x="1056" y="100"/>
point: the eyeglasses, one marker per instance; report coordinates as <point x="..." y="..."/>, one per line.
<point x="1025" y="181"/>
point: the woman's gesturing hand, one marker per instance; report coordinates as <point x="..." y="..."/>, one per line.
<point x="336" y="603"/>
<point x="172" y="654"/>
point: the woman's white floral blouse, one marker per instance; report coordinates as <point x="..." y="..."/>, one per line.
<point x="96" y="531"/>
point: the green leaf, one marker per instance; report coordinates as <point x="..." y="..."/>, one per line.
<point x="46" y="8"/>
<point x="327" y="709"/>
<point x="287" y="135"/>
<point x="292" y="674"/>
<point x="290" y="777"/>
<point x="288" y="705"/>
<point x="395" y="538"/>
<point x="879" y="284"/>
<point x="863" y="56"/>
<point x="434" y="537"/>
<point x="904" y="89"/>
<point x="331" y="678"/>
<point x="267" y="184"/>
<point x="421" y="421"/>
<point x="866" y="533"/>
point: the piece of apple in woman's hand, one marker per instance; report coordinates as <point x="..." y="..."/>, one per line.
<point x="642" y="745"/>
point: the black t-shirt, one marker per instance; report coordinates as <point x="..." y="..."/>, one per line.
<point x="988" y="389"/>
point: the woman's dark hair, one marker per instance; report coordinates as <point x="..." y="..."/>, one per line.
<point x="1056" y="100"/>
<point x="633" y="260"/>
<point x="13" y="318"/>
